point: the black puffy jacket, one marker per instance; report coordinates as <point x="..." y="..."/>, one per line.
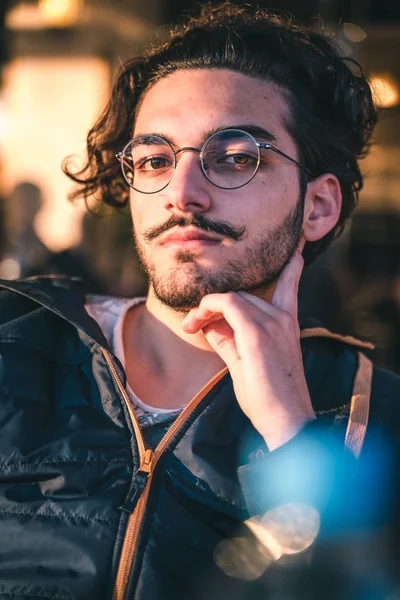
<point x="87" y="512"/>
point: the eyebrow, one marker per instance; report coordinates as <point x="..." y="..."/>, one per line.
<point x="259" y="133"/>
<point x="256" y="131"/>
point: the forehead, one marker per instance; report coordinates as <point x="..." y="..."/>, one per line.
<point x="187" y="103"/>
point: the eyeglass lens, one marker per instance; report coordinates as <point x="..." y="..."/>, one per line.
<point x="230" y="159"/>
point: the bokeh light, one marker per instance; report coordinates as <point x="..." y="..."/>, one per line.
<point x="286" y="530"/>
<point x="241" y="558"/>
<point x="59" y="13"/>
<point x="385" y="91"/>
<point x="353" y="32"/>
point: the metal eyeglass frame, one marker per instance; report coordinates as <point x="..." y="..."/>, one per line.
<point x="200" y="151"/>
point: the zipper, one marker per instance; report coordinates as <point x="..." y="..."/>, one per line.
<point x="148" y="460"/>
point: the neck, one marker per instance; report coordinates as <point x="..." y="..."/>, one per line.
<point x="167" y="353"/>
<point x="164" y="347"/>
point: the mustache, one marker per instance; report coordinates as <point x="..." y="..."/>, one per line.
<point x="196" y="220"/>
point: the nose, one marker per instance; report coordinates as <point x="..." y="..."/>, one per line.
<point x="188" y="190"/>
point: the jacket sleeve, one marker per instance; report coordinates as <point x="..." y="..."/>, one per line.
<point x="315" y="468"/>
<point x="311" y="469"/>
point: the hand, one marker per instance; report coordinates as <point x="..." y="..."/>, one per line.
<point x="260" y="344"/>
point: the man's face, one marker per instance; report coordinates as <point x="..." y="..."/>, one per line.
<point x="254" y="229"/>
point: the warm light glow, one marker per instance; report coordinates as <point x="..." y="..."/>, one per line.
<point x="23" y="16"/>
<point x="353" y="32"/>
<point x="49" y="105"/>
<point x="279" y="535"/>
<point x="381" y="191"/>
<point x="241" y="558"/>
<point x="10" y="269"/>
<point x="5" y="125"/>
<point x="59" y="13"/>
<point x="385" y="91"/>
<point x="287" y="529"/>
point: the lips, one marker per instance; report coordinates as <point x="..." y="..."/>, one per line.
<point x="186" y="235"/>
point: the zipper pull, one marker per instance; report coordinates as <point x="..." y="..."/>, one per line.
<point x="147" y="462"/>
<point x="139" y="482"/>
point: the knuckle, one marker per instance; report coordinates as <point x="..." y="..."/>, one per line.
<point x="203" y="301"/>
<point x="209" y="299"/>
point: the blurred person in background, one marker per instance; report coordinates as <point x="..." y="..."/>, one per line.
<point x="197" y="443"/>
<point x="25" y="255"/>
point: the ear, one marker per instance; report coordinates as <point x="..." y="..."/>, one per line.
<point x="322" y="206"/>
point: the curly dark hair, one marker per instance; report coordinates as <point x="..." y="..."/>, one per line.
<point x="332" y="114"/>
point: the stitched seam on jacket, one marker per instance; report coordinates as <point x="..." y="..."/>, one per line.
<point x="28" y="596"/>
<point x="67" y="518"/>
<point x="24" y="593"/>
<point x="32" y="596"/>
<point x="45" y="463"/>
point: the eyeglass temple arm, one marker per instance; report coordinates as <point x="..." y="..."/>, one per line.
<point x="296" y="162"/>
<point x="119" y="156"/>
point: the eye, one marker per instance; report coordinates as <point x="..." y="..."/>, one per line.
<point x="238" y="158"/>
<point x="156" y="162"/>
<point x="153" y="163"/>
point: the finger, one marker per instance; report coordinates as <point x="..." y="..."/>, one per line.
<point x="192" y="324"/>
<point x="301" y="245"/>
<point x="219" y="335"/>
<point x="221" y="338"/>
<point x="286" y="291"/>
<point x="228" y="306"/>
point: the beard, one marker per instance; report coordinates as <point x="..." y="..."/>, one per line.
<point x="264" y="259"/>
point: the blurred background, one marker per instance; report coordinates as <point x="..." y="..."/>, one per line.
<point x="57" y="62"/>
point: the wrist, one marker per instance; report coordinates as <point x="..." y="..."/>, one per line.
<point x="281" y="430"/>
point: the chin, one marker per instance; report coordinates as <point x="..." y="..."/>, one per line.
<point x="183" y="287"/>
<point x="180" y="297"/>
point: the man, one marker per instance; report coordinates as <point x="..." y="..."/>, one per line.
<point x="187" y="445"/>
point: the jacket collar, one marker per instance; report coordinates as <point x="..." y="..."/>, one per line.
<point x="64" y="296"/>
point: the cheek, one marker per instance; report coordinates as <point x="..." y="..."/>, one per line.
<point x="263" y="204"/>
<point x="275" y="197"/>
<point x="146" y="209"/>
<point x="139" y="213"/>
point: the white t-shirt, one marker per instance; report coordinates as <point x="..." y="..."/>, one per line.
<point x="110" y="312"/>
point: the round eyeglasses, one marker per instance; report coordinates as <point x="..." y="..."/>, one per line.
<point x="229" y="159"/>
